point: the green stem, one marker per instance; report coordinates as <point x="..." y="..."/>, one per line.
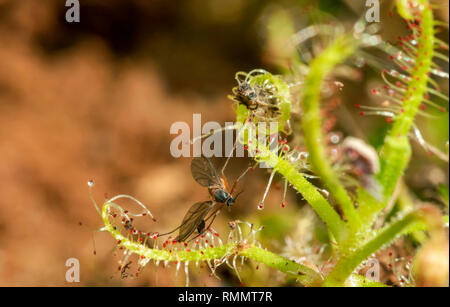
<point x="405" y="202"/>
<point x="323" y="209"/>
<point x="304" y="274"/>
<point x="334" y="54"/>
<point x="396" y="150"/>
<point x="315" y="199"/>
<point x="347" y="264"/>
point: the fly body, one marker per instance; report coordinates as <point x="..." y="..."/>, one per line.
<point x="204" y="172"/>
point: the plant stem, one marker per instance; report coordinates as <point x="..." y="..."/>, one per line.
<point x="347" y="264"/>
<point x="396" y="150"/>
<point x="334" y="54"/>
<point x="304" y="274"/>
<point x="323" y="209"/>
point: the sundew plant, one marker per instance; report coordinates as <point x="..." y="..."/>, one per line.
<point x="358" y="192"/>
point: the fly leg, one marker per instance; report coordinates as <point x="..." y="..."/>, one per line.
<point x="251" y="167"/>
<point x="168" y="233"/>
<point x="228" y="159"/>
<point x="201" y="227"/>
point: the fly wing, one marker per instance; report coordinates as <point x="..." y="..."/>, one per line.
<point x="193" y="219"/>
<point x="204" y="172"/>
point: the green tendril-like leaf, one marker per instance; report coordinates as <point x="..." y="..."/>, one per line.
<point x="346" y="265"/>
<point x="396" y="150"/>
<point x="279" y="163"/>
<point x="334" y="54"/>
<point x="302" y="273"/>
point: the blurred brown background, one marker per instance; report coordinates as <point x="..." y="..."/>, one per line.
<point x="96" y="99"/>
